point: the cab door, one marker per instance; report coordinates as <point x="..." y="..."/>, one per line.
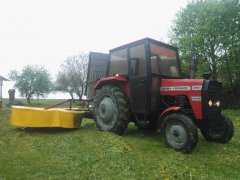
<point x="139" y="80"/>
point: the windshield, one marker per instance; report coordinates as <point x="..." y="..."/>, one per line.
<point x="118" y="63"/>
<point x="164" y="61"/>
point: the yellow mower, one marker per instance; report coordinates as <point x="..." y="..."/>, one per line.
<point x="47" y="117"/>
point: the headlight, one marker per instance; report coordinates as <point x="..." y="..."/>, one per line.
<point x="210" y="103"/>
<point x="218" y="103"/>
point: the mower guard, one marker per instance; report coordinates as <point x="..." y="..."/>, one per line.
<point x="40" y="117"/>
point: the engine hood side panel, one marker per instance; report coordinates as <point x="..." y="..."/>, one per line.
<point x="191" y="88"/>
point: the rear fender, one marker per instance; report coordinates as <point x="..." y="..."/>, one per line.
<point x="109" y="80"/>
<point x="167" y="111"/>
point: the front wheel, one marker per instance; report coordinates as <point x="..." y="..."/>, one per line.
<point x="218" y="131"/>
<point x="179" y="132"/>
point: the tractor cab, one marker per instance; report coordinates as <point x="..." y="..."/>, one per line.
<point x="144" y="57"/>
<point x="144" y="62"/>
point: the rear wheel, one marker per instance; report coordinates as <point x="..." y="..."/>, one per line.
<point x="218" y="131"/>
<point x="179" y="132"/>
<point x="111" y="109"/>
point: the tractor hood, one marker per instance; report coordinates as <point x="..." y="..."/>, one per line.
<point x="180" y="85"/>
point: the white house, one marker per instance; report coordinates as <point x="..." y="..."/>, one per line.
<point x="1" y="84"/>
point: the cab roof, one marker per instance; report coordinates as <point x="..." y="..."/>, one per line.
<point x="143" y="41"/>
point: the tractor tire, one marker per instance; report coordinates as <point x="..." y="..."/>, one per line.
<point x="219" y="131"/>
<point x="111" y="109"/>
<point x="179" y="132"/>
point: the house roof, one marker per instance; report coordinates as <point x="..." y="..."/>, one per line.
<point x="97" y="66"/>
<point x="3" y="78"/>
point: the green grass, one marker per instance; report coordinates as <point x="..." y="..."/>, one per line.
<point x="86" y="153"/>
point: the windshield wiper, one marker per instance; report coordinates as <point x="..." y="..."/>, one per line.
<point x="164" y="76"/>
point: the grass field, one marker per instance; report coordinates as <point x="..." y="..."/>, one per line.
<point x="86" y="153"/>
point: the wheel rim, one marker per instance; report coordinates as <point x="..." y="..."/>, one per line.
<point x="176" y="135"/>
<point x="217" y="131"/>
<point x="107" y="111"/>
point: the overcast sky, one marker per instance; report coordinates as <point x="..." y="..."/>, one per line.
<point x="45" y="32"/>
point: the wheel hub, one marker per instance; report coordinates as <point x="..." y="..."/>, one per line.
<point x="177" y="134"/>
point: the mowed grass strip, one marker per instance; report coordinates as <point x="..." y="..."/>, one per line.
<point x="86" y="153"/>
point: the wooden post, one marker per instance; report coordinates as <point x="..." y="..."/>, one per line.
<point x="11" y="93"/>
<point x="1" y="82"/>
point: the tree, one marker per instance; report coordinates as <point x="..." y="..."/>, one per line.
<point x="32" y="81"/>
<point x="193" y="26"/>
<point x="72" y="76"/>
<point x="62" y="84"/>
<point x="230" y="38"/>
<point x="212" y="28"/>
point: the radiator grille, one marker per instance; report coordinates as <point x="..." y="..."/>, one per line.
<point x="211" y="91"/>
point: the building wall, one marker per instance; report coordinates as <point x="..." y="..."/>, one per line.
<point x="1" y="82"/>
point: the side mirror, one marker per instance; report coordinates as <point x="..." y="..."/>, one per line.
<point x="207" y="75"/>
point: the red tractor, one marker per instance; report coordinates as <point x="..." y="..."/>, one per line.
<point x="143" y="84"/>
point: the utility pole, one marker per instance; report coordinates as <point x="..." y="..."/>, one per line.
<point x="192" y="62"/>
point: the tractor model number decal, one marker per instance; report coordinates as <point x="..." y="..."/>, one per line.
<point x="196" y="88"/>
<point x="196" y="98"/>
<point x="175" y="88"/>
